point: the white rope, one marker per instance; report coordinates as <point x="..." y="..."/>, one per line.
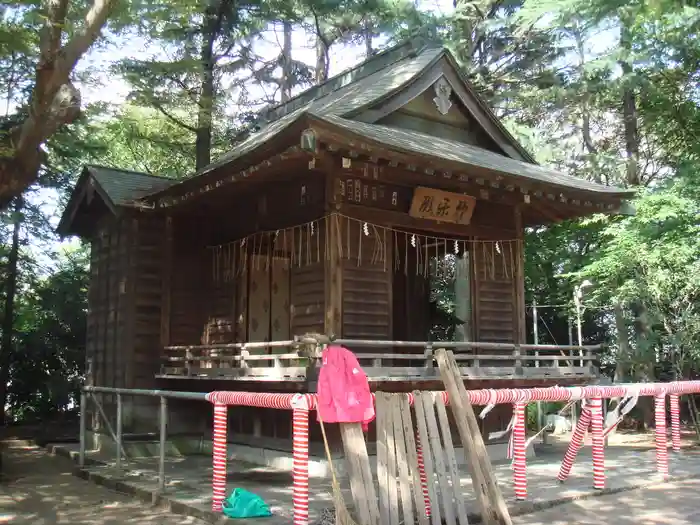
<point x="623" y="408"/>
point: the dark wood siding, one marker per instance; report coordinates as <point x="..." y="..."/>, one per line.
<point x="188" y="277"/>
<point x="148" y="238"/>
<point x="307" y="299"/>
<point x="421" y="114"/>
<point x="367" y="286"/>
<point x="494" y="292"/>
<point x="124" y="305"/>
<point x="108" y="308"/>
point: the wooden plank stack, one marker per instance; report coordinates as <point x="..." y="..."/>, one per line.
<point x="494" y="510"/>
<point x="400" y="499"/>
<point x="439" y="460"/>
<point x="400" y="493"/>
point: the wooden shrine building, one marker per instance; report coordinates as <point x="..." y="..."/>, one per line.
<point x="385" y="207"/>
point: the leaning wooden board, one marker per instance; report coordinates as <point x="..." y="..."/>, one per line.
<point x="460" y="504"/>
<point x="361" y="483"/>
<point x="412" y="456"/>
<point x="422" y="427"/>
<point x="382" y="457"/>
<point x="494" y="510"/>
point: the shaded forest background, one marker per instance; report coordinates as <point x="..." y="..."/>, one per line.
<point x="602" y="89"/>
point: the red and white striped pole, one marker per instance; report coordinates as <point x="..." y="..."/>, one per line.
<point x="596" y="411"/>
<point x="519" y="457"/>
<point x="300" y="455"/>
<point x="423" y="477"/>
<point x="661" y="439"/>
<point x="219" y="457"/>
<point x="675" y="422"/>
<point x="575" y="444"/>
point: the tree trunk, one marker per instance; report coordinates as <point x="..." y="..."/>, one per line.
<point x="369" y="51"/>
<point x="693" y="410"/>
<point x="54" y="101"/>
<point x="287" y="81"/>
<point x="211" y="29"/>
<point x="8" y="321"/>
<point x="647" y="356"/>
<point x="623" y="344"/>
<point x="629" y="107"/>
<point x="321" y="60"/>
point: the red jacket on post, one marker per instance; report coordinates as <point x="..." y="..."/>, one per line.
<point x="343" y="390"/>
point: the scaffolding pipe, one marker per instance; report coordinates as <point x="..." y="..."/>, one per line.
<point x="196" y="396"/>
<point x="163" y="437"/>
<point x="108" y="424"/>
<point x="120" y="436"/>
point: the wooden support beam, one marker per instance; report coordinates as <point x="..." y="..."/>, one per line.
<point x="519" y="328"/>
<point x="494" y="510"/>
<point x="166" y="284"/>
<point x="333" y="321"/>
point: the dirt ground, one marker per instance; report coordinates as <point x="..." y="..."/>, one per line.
<point x="40" y="489"/>
<point x="666" y="504"/>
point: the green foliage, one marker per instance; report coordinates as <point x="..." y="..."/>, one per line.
<point x="142" y="139"/>
<point x="652" y="261"/>
<point x="49" y="354"/>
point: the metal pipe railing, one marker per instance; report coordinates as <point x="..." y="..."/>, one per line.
<point x="118" y="436"/>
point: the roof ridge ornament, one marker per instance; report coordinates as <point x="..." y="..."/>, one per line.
<point x="443" y="90"/>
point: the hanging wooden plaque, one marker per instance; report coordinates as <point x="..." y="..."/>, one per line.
<point x="444" y="206"/>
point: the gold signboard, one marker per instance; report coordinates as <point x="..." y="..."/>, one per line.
<point x="444" y="206"/>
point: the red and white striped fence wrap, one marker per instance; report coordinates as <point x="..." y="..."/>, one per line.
<point x="252" y="399"/>
<point x="301" y="404"/>
<point x="423" y="477"/>
<point x="219" y="456"/>
<point x="661" y="439"/>
<point x="300" y="455"/>
<point x="596" y="411"/>
<point x="675" y="422"/>
<point x="519" y="462"/>
<point x="575" y="444"/>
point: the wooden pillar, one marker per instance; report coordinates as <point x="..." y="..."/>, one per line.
<point x="519" y="325"/>
<point x="333" y="319"/>
<point x="128" y="343"/>
<point x="166" y="283"/>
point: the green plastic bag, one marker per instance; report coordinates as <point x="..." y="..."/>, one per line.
<point x="244" y="504"/>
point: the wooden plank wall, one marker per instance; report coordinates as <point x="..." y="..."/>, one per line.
<point x="495" y="276"/>
<point x="307" y="299"/>
<point x="148" y="238"/>
<point x="108" y="311"/>
<point x="218" y="304"/>
<point x="367" y="285"/>
<point x="494" y="279"/>
<point x="124" y="311"/>
<point x="188" y="281"/>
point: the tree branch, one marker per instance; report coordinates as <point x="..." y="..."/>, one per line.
<point x="173" y="118"/>
<point x="61" y="65"/>
<point x="81" y="42"/>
